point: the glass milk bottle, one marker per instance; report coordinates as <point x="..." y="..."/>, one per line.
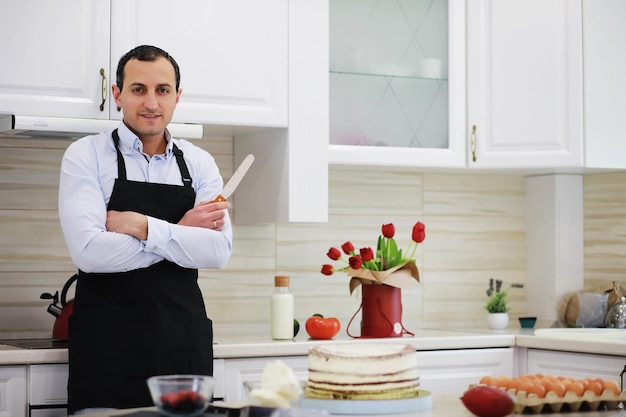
<point x="282" y="309"/>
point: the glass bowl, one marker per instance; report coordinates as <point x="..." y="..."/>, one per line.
<point x="181" y="395"/>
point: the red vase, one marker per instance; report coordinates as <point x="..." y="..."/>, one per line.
<point x="381" y="311"/>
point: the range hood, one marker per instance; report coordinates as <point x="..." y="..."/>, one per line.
<point x="65" y="127"/>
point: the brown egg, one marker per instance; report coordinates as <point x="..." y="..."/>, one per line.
<point x="576" y="387"/>
<point x="596" y="387"/>
<point x="486" y="380"/>
<point x="556" y="386"/>
<point x="538" y="389"/>
<point x="524" y="384"/>
<point x="506" y="382"/>
<point x="611" y="386"/>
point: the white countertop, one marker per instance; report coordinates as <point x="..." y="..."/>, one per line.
<point x="257" y="345"/>
<point x="424" y="339"/>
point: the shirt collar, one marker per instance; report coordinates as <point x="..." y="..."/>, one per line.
<point x="129" y="141"/>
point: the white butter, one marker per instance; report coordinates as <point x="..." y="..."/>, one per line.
<point x="279" y="386"/>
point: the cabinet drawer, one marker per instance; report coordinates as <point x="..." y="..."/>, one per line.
<point x="48" y="384"/>
<point x="575" y="365"/>
<point x="219" y="379"/>
<point x="452" y="371"/>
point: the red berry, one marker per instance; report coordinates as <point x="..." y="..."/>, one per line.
<point x="169" y="400"/>
<point x="181" y="396"/>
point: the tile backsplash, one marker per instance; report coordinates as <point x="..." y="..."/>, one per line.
<point x="475" y="228"/>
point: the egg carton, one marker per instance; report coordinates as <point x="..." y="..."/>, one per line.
<point x="589" y="401"/>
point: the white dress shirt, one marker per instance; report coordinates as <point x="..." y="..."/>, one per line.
<point x="88" y="172"/>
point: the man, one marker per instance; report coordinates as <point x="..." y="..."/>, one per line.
<point x="136" y="210"/>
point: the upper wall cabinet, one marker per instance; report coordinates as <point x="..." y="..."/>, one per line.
<point x="604" y="69"/>
<point x="290" y="172"/>
<point x="62" y="57"/>
<point x="253" y="69"/>
<point x="397" y="83"/>
<point x="545" y="84"/>
<point x="232" y="55"/>
<point x="56" y="58"/>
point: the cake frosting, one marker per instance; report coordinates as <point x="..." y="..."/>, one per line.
<point x="362" y="371"/>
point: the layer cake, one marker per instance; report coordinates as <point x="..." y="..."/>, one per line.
<point x="360" y="371"/>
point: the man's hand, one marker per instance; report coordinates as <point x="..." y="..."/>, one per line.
<point x="127" y="222"/>
<point x="209" y="215"/>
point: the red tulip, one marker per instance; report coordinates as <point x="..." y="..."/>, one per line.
<point x="327" y="269"/>
<point x="367" y="254"/>
<point x="419" y="232"/>
<point x="389" y="230"/>
<point x="355" y="262"/>
<point x="334" y="254"/>
<point x="348" y="248"/>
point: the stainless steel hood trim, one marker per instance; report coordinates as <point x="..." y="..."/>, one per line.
<point x="65" y="127"/>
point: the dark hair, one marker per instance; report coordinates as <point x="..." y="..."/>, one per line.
<point x="144" y="53"/>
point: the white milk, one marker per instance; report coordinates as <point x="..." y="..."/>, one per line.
<point x="282" y="309"/>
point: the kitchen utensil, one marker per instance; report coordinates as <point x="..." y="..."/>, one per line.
<point x="181" y="395"/>
<point x="616" y="315"/>
<point x="62" y="312"/>
<point x="236" y="178"/>
<point x="620" y="406"/>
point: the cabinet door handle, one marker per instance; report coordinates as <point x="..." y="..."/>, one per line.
<point x="474" y="143"/>
<point x="104" y="88"/>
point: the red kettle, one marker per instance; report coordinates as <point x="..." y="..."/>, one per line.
<point x="62" y="312"/>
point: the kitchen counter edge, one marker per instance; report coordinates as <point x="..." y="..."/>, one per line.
<point x="260" y="346"/>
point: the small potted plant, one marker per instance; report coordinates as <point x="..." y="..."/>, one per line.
<point x="496" y="305"/>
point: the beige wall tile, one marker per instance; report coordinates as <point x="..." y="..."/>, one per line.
<point x="474" y="223"/>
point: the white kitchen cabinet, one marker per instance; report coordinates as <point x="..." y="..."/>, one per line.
<point x="604" y="64"/>
<point x="573" y="365"/>
<point x="289" y="178"/>
<point x="232" y="55"/>
<point x="13" y="391"/>
<point x="55" y="58"/>
<point x="253" y="69"/>
<point x="540" y="90"/>
<point x="47" y="387"/>
<point x="452" y="371"/>
<point x="251" y="369"/>
<point x="48" y="384"/>
<point x="397" y="79"/>
<point x="441" y="371"/>
<point x="218" y="379"/>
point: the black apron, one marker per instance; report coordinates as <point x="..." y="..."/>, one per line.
<point x="131" y="325"/>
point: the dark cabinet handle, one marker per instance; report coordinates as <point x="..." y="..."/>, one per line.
<point x="104" y="89"/>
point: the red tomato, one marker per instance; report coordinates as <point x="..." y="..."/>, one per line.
<point x="485" y="401"/>
<point x="319" y="327"/>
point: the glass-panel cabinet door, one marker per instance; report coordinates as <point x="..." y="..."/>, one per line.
<point x="392" y="81"/>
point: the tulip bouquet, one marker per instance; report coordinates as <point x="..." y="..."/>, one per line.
<point x="387" y="265"/>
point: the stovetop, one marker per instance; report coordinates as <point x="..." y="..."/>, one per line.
<point x="37" y="343"/>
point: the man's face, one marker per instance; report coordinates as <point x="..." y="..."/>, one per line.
<point x="148" y="97"/>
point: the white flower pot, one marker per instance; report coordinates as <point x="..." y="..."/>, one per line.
<point x="498" y="321"/>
